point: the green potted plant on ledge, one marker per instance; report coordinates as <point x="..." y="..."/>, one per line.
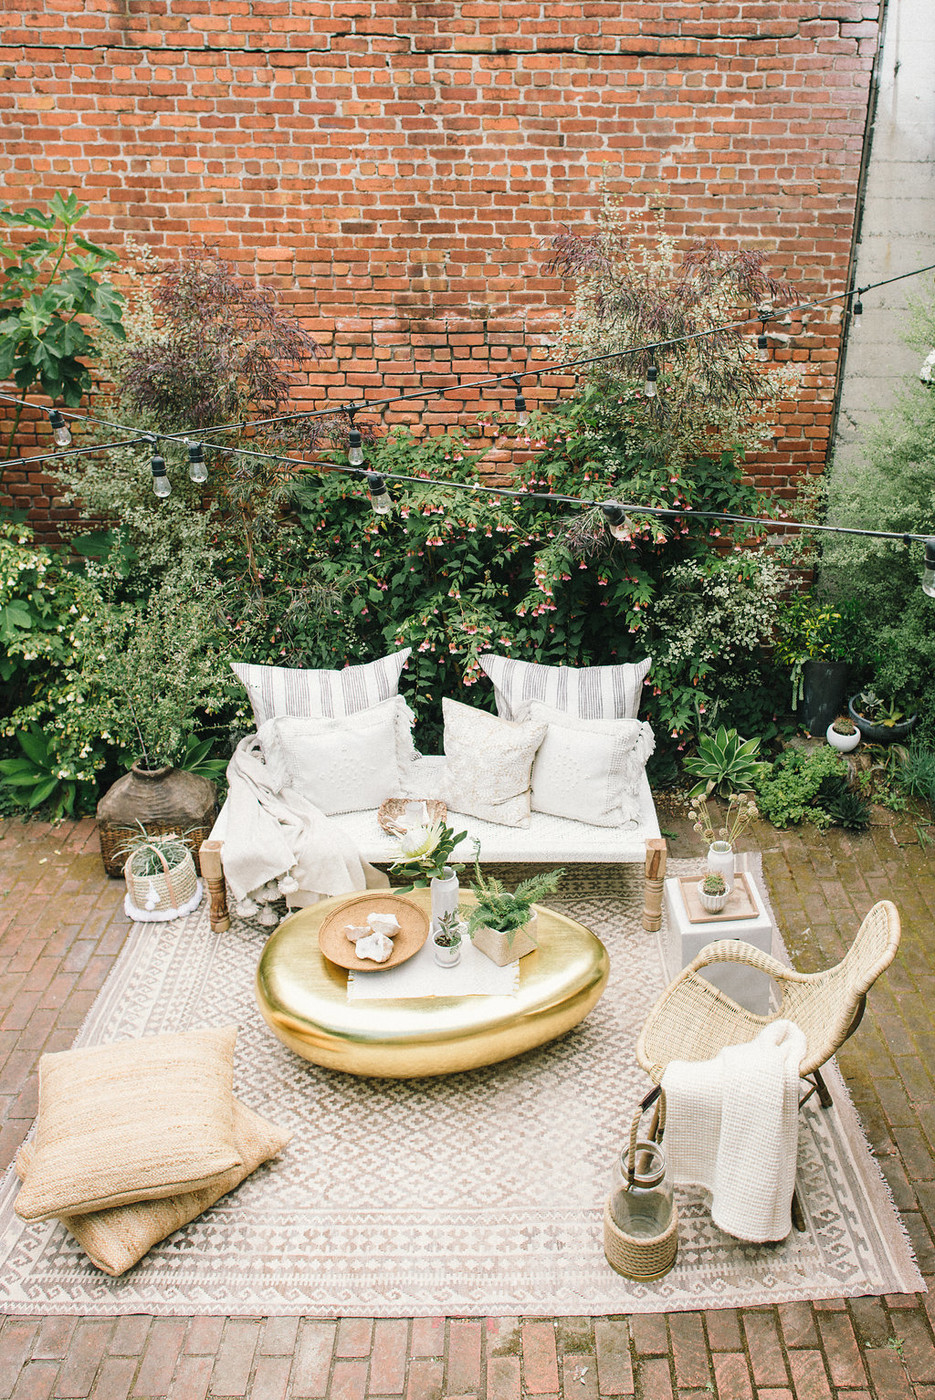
<point x="502" y="923"/>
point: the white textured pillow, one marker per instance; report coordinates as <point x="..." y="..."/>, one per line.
<point x="276" y="691"/>
<point x="588" y="692"/>
<point x="341" y="765"/>
<point x="489" y="763"/>
<point x="589" y="769"/>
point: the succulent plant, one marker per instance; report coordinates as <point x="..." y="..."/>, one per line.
<point x="713" y="883"/>
<point x="843" y="725"/>
<point x="448" y="933"/>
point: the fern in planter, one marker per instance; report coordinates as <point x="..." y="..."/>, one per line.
<point x="501" y="909"/>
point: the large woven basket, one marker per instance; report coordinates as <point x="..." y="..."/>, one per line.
<point x="173" y="891"/>
<point x="643" y="1258"/>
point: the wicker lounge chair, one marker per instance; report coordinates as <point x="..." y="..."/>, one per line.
<point x="694" y="1020"/>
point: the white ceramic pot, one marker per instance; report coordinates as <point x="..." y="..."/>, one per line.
<point x="844" y="743"/>
<point x="712" y="903"/>
<point x="721" y="862"/>
<point x="445" y="894"/>
<point x="503" y="948"/>
<point x="447" y="956"/>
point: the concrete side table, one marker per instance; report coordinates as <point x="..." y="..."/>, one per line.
<point x="684" y="940"/>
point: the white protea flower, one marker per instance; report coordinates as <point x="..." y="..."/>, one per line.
<point x="419" y="843"/>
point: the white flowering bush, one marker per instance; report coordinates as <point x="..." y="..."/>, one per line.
<point x="714" y="623"/>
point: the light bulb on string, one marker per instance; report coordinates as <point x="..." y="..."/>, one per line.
<point x="519" y="405"/>
<point x="161" y="483"/>
<point x="762" y="348"/>
<point x="355" y="450"/>
<point x="857" y="310"/>
<point x="61" y="433"/>
<point x="649" y="388"/>
<point x="197" y="467"/>
<point x="928" y="572"/>
<point x="618" y="522"/>
<point x="380" y="498"/>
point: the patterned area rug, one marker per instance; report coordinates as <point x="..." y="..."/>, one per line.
<point x="478" y="1194"/>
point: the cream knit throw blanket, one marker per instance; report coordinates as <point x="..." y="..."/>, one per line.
<point x="732" y="1127"/>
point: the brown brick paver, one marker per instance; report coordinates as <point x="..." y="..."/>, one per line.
<point x="834" y="1349"/>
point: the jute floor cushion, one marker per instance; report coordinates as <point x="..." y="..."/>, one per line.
<point x="116" y="1239"/>
<point x="136" y="1120"/>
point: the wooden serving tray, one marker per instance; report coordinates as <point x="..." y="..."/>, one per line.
<point x="740" y="903"/>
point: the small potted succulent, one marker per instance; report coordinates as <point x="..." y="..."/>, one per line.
<point x="446" y="940"/>
<point x="713" y="892"/>
<point x="503" y="924"/>
<point x="842" y="734"/>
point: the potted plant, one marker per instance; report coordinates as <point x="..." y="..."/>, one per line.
<point x="721" y="834"/>
<point x="842" y="734"/>
<point x="503" y="924"/>
<point x="814" y="640"/>
<point x="446" y="940"/>
<point x="713" y="892"/>
<point x="880" y="720"/>
<point x="159" y="869"/>
<point x="425" y="859"/>
<point x="149" y="669"/>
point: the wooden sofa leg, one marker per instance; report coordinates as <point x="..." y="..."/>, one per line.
<point x="653" y="882"/>
<point x="213" y="874"/>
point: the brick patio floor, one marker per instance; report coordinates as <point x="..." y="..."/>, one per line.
<point x="62" y="926"/>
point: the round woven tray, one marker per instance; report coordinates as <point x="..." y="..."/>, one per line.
<point x="392" y="813"/>
<point x="337" y="947"/>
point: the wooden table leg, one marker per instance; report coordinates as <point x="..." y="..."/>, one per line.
<point x="653" y="883"/>
<point x="212" y="873"/>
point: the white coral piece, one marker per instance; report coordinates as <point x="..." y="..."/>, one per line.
<point x="383" y="923"/>
<point x="376" y="948"/>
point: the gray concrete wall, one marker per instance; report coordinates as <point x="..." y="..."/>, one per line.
<point x="898" y="228"/>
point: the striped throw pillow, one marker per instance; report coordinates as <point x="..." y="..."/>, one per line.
<point x="278" y="691"/>
<point x="586" y="692"/>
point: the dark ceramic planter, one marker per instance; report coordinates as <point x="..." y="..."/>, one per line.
<point x="824" y="685"/>
<point x="159" y="799"/>
<point x="880" y="733"/>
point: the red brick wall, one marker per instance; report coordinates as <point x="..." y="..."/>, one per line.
<point x="396" y="169"/>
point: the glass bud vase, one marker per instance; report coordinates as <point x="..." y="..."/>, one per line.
<point x="721" y="861"/>
<point x="444" y="894"/>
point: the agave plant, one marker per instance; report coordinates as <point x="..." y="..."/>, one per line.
<point x="725" y="763"/>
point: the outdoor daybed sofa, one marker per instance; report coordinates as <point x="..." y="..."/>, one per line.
<point x="558" y="776"/>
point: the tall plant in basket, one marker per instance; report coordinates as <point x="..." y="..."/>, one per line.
<point x="148" y="671"/>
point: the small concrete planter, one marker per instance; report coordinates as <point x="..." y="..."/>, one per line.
<point x="503" y="948"/>
<point x="844" y="743"/>
<point x="712" y="903"/>
<point x="447" y="955"/>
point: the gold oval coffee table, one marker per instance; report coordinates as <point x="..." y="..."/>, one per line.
<point x="303" y="998"/>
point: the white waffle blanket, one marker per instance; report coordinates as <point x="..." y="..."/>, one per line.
<point x="732" y="1127"/>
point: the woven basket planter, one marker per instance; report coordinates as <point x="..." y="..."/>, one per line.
<point x="175" y="890"/>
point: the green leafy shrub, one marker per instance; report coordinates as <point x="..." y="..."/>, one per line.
<point x="453" y="574"/>
<point x="788" y="792"/>
<point x="37" y="779"/>
<point x="916" y="775"/>
<point x="892" y="487"/>
<point x="46" y="284"/>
